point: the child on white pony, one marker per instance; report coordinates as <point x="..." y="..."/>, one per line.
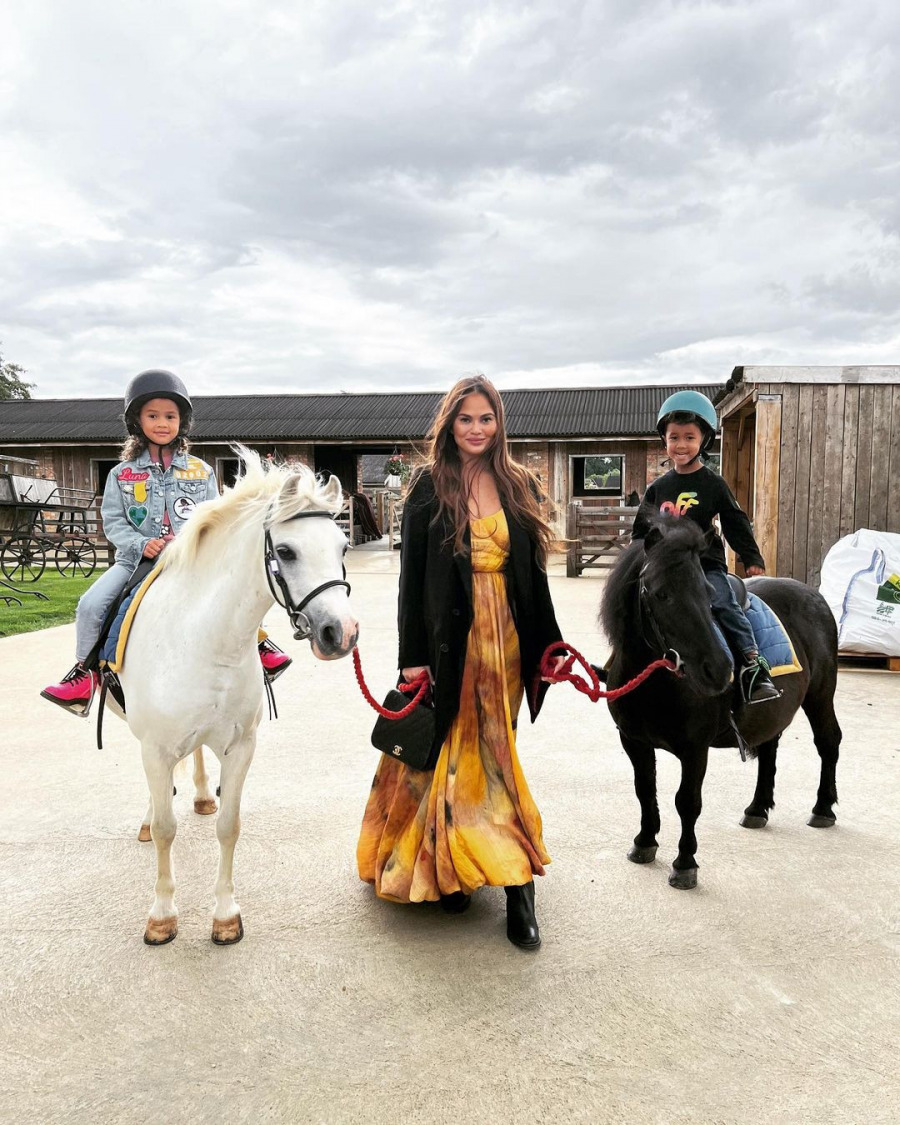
<point x="148" y="498"/>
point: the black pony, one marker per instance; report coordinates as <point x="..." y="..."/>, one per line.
<point x="656" y="599"/>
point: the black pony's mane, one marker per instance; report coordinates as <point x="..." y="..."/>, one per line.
<point x="676" y="538"/>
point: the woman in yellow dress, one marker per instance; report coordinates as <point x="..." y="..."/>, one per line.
<point x="475" y="612"/>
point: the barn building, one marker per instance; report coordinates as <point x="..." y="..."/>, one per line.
<point x="596" y="445"/>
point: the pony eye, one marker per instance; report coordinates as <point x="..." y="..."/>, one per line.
<point x="286" y="554"/>
<point x="661" y="596"/>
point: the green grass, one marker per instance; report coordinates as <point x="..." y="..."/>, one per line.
<point x="33" y="614"/>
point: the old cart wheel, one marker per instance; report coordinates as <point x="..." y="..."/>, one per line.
<point x="75" y="557"/>
<point x="22" y="559"/>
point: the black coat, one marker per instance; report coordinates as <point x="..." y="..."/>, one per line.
<point x="435" y="611"/>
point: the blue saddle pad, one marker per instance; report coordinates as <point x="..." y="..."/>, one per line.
<point x="772" y="638"/>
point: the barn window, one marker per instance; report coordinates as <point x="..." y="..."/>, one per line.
<point x="597" y="475"/>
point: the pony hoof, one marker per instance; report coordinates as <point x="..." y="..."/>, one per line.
<point x="144" y="834"/>
<point x="228" y="932"/>
<point x="819" y="821"/>
<point x="748" y="820"/>
<point x="643" y="855"/>
<point x="160" y="931"/>
<point x="683" y="880"/>
<point x="205" y="806"/>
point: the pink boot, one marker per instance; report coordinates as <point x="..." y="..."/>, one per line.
<point x="274" y="660"/>
<point x="74" y="691"/>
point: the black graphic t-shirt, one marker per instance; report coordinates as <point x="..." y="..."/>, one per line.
<point x="700" y="496"/>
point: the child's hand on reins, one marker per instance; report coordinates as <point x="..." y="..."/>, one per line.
<point x="153" y="547"/>
<point x="755" y="571"/>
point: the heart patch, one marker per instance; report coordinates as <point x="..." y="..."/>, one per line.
<point x="137" y="515"/>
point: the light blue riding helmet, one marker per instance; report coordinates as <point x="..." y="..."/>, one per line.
<point x="689" y="402"/>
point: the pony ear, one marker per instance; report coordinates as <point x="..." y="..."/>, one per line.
<point x="653" y="536"/>
<point x="333" y="492"/>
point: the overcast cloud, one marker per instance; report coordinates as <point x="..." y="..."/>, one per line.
<point x="353" y="195"/>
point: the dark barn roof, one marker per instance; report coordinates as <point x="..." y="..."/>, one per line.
<point x="563" y="413"/>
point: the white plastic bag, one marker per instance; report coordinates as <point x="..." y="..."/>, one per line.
<point x="861" y="583"/>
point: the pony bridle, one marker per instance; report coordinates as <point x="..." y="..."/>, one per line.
<point x="645" y="610"/>
<point x="298" y="619"/>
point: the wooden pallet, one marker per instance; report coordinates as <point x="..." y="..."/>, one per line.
<point x="867" y="662"/>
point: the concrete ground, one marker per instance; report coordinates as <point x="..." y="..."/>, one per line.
<point x="768" y="994"/>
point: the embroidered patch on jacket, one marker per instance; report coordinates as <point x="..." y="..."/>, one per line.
<point x="196" y="470"/>
<point x="129" y="476"/>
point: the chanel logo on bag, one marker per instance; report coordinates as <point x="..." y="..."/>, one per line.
<point x="398" y="750"/>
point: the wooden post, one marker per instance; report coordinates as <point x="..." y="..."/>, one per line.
<point x="766" y="477"/>
<point x="392" y="500"/>
<point x="573" y="544"/>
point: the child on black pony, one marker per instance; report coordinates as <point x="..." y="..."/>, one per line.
<point x="148" y="498"/>
<point x="687" y="425"/>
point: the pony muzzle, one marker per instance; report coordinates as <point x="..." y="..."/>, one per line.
<point x="334" y="637"/>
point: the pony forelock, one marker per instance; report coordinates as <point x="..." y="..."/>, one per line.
<point x="679" y="537"/>
<point x="264" y="491"/>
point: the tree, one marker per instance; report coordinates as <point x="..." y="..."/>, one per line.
<point x="12" y="384"/>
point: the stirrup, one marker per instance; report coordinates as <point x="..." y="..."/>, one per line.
<point x="81" y="709"/>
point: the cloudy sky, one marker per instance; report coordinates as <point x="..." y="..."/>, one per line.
<point x="347" y="194"/>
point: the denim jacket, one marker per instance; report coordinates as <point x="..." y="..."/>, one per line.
<point x="139" y="493"/>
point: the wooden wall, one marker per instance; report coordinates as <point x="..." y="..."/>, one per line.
<point x="837" y="468"/>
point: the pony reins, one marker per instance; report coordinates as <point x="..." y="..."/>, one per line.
<point x="592" y="688"/>
<point x="419" y="685"/>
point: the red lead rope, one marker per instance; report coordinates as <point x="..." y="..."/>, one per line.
<point x="419" y="685"/>
<point x="592" y="690"/>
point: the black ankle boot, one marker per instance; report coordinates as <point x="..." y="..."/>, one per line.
<point x="521" y="923"/>
<point x="455" y="903"/>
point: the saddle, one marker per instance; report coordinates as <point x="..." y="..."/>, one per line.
<point x="772" y="639"/>
<point x="106" y="655"/>
<point x="112" y="622"/>
<point x="740" y="591"/>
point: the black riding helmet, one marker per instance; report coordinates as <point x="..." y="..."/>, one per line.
<point x="157" y="384"/>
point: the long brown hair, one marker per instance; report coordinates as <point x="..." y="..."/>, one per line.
<point x="519" y="489"/>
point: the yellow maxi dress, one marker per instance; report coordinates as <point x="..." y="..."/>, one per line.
<point x="471" y="821"/>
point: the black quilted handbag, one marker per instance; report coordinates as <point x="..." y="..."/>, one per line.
<point x="409" y="740"/>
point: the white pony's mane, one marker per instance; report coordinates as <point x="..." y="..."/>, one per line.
<point x="265" y="492"/>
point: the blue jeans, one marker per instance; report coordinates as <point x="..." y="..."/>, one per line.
<point x="728" y="614"/>
<point x="93" y="605"/>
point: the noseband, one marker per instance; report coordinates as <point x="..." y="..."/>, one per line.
<point x="298" y="619"/>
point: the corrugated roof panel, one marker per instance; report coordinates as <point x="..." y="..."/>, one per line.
<point x="542" y="412"/>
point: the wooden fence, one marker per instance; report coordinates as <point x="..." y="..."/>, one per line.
<point x="597" y="536"/>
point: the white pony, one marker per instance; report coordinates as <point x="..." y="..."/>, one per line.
<point x="192" y="675"/>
